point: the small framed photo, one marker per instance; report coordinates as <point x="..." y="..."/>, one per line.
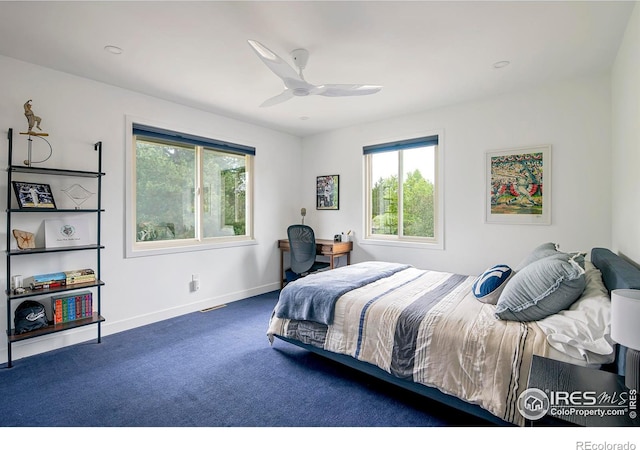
<point x="327" y="192"/>
<point x="66" y="233"/>
<point x="33" y="195"/>
<point x="519" y="186"/>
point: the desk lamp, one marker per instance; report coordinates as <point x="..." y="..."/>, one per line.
<point x="625" y="330"/>
<point x="303" y="212"/>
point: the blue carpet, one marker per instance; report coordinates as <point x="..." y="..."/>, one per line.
<point x="211" y="369"/>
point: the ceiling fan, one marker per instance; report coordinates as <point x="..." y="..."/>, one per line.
<point x="294" y="82"/>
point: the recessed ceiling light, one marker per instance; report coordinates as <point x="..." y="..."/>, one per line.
<point x="113" y="49"/>
<point x="501" y="64"/>
<point x="304" y="118"/>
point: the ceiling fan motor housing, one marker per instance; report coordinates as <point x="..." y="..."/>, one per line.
<point x="300" y="57"/>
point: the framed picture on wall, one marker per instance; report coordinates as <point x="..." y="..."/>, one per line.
<point x="519" y="186"/>
<point x="327" y="192"/>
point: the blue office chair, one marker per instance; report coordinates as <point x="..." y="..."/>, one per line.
<point x="302" y="243"/>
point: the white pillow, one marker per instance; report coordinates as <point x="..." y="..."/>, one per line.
<point x="583" y="331"/>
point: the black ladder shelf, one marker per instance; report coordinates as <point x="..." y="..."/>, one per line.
<point x="96" y="318"/>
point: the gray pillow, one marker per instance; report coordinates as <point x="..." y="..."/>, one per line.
<point x="544" y="287"/>
<point x="541" y="251"/>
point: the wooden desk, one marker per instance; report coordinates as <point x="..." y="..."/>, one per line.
<point x="324" y="247"/>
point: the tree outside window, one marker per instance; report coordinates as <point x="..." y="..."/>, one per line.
<point x="188" y="189"/>
<point x="402" y="190"/>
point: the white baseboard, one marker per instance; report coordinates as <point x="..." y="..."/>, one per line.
<point x="74" y="336"/>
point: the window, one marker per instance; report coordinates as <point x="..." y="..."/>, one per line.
<point x="188" y="190"/>
<point x="403" y="191"/>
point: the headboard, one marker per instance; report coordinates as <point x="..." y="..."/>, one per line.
<point x="617" y="273"/>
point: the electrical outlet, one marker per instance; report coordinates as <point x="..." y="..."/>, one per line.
<point x="195" y="282"/>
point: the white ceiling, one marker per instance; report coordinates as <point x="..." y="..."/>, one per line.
<point x="426" y="54"/>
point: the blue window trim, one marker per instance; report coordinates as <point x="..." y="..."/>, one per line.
<point x="183" y="138"/>
<point x="425" y="141"/>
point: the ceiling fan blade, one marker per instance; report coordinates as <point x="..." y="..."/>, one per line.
<point x="282" y="97"/>
<point x="274" y="62"/>
<point x="344" y="90"/>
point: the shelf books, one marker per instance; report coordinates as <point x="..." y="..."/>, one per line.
<point x="60" y="279"/>
<point x="46" y="280"/>
<point x="70" y="307"/>
<point x="79" y="276"/>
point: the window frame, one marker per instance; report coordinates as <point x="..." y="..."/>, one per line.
<point x="399" y="240"/>
<point x="149" y="248"/>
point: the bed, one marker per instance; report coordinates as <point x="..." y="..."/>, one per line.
<point x="450" y="337"/>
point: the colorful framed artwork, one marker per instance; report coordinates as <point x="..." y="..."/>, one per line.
<point x="519" y="186"/>
<point x="33" y="195"/>
<point x="327" y="192"/>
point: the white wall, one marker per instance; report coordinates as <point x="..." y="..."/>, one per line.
<point x="76" y="113"/>
<point x="574" y="117"/>
<point x="626" y="142"/>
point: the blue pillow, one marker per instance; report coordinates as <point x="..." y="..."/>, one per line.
<point x="543" y="288"/>
<point x="491" y="282"/>
<point x="541" y="251"/>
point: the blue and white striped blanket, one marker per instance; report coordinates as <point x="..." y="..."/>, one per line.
<point x="314" y="296"/>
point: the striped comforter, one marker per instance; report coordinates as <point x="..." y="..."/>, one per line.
<point x="426" y="326"/>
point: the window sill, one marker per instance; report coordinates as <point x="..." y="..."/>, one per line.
<point x="402" y="243"/>
<point x="153" y="251"/>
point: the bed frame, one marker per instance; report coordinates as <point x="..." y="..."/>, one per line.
<point x="617" y="273"/>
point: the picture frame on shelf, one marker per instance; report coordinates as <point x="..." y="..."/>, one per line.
<point x="33" y="195"/>
<point x="518" y="186"/>
<point x="70" y="232"/>
<point x="328" y="192"/>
